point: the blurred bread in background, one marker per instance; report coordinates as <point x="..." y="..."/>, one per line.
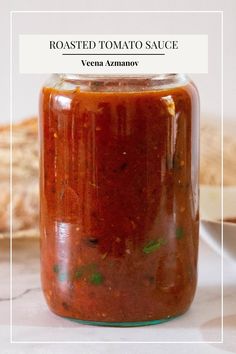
<point x="210" y="154"/>
<point x="24" y="178"/>
<point x="25" y="189"/>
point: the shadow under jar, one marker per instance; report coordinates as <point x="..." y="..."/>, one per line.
<point x="119" y="197"/>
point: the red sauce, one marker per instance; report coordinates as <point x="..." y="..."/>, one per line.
<point x="231" y="220"/>
<point x="119" y="203"/>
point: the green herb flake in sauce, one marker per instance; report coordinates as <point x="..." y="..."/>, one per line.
<point x="85" y="270"/>
<point x="153" y="245"/>
<point x="179" y="233"/>
<point x="78" y="273"/>
<point x="56" y="268"/>
<point x="96" y="278"/>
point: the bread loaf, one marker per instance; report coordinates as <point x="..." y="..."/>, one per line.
<point x="24" y="178"/>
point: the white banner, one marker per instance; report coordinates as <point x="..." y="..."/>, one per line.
<point x="113" y="54"/>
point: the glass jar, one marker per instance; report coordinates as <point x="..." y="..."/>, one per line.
<point x="119" y="187"/>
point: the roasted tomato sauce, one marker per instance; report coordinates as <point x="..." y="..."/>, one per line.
<point x="119" y="202"/>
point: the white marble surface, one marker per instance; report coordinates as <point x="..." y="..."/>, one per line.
<point x="33" y="322"/>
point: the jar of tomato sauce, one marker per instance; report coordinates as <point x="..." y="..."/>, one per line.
<point x="119" y="208"/>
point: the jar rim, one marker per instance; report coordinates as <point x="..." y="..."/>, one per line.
<point x="118" y="82"/>
<point x="82" y="77"/>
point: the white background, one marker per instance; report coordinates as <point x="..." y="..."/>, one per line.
<point x="28" y="88"/>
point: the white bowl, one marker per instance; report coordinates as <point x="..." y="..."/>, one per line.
<point x="212" y="231"/>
